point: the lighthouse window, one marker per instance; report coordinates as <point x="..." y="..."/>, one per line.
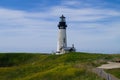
<point x="62" y="20"/>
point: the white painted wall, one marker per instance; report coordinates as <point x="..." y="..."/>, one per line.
<point x="62" y="39"/>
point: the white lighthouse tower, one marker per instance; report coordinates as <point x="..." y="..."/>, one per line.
<point x="62" y="38"/>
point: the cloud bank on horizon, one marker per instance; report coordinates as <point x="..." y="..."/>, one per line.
<point x="31" y="26"/>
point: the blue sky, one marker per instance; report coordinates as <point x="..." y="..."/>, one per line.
<point x="31" y="25"/>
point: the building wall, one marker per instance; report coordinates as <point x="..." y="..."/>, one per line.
<point x="62" y="39"/>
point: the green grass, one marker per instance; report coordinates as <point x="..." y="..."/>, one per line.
<point x="115" y="72"/>
<point x="71" y="66"/>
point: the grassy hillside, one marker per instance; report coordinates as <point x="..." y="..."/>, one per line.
<point x="115" y="72"/>
<point x="72" y="66"/>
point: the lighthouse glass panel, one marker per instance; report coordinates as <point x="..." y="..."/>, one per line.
<point x="62" y="19"/>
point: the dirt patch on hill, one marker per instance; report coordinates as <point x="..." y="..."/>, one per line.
<point x="110" y="65"/>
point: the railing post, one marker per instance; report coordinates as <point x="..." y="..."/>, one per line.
<point x="108" y="77"/>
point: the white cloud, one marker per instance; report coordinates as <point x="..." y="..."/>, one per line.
<point x="85" y="14"/>
<point x="70" y="3"/>
<point x="103" y="38"/>
<point x="38" y="30"/>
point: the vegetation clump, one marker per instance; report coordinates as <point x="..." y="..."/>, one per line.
<point x="70" y="66"/>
